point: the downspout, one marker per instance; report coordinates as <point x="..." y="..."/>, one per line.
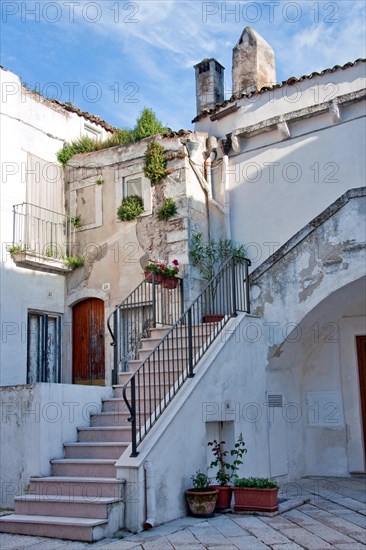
<point x="150" y="495"/>
<point x="207" y="185"/>
<point x="225" y="161"/>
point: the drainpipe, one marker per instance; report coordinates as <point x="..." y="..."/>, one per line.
<point x="206" y="185"/>
<point x="150" y="495"/>
<point x="225" y="161"/>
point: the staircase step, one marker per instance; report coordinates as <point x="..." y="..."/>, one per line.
<point x="51" y="526"/>
<point x="170" y="353"/>
<point x="89" y="488"/>
<point x="75" y="506"/>
<point x="168" y="377"/>
<point x="109" y="419"/>
<point x="182" y="330"/>
<point x="118" y="434"/>
<point x="115" y="404"/>
<point x="94" y="450"/>
<point x="84" y="467"/>
<point x="159" y="332"/>
<point x="141" y="404"/>
<point x="159" y="363"/>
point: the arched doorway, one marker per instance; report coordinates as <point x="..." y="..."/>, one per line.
<point x="88" y="342"/>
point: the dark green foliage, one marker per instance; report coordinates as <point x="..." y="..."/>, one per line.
<point x="130" y="208"/>
<point x="146" y="125"/>
<point x="227" y="470"/>
<point x="168" y="210"/>
<point x="74" y="261"/>
<point x="256" y="483"/>
<point x="155" y="162"/>
<point x="200" y="481"/>
<point x="210" y="257"/>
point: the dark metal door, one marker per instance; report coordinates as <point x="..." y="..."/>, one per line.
<point x="88" y="342"/>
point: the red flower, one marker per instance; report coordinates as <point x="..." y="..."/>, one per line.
<point x="175" y="262"/>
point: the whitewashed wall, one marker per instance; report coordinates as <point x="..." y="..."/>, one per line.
<point x="36" y="421"/>
<point x="279" y="181"/>
<point x="29" y="124"/>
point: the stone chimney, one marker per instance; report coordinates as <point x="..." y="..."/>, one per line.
<point x="209" y="84"/>
<point x="253" y="63"/>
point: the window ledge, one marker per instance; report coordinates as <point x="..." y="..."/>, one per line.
<point x="32" y="260"/>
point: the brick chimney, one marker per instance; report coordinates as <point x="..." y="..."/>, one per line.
<point x="209" y="84"/>
<point x="253" y="63"/>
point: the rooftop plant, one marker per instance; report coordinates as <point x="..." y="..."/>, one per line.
<point x="147" y="124"/>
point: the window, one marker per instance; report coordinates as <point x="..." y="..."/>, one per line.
<point x="133" y="186"/>
<point x="137" y="184"/>
<point x="44" y="347"/>
<point x="92" y="132"/>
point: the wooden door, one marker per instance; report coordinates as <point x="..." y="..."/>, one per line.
<point x="88" y="342"/>
<point x="361" y="355"/>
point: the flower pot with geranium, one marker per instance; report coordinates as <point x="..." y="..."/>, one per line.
<point x="162" y="273"/>
<point x="227" y="470"/>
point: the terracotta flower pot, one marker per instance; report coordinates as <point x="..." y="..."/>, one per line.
<point x="149" y="277"/>
<point x="202" y="503"/>
<point x="213" y="318"/>
<point x="224" y="497"/>
<point x="169" y="282"/>
<point x="255" y="500"/>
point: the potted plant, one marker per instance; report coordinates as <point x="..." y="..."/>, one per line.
<point x="255" y="494"/>
<point x="201" y="497"/>
<point x="209" y="258"/>
<point x="227" y="471"/>
<point x="165" y="274"/>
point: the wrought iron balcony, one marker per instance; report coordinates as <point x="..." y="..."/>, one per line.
<point x="42" y="238"/>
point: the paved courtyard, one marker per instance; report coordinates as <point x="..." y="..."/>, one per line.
<point x="315" y="514"/>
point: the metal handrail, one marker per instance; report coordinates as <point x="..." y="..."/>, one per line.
<point x="161" y="375"/>
<point x="153" y="302"/>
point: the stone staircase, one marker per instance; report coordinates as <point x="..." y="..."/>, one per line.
<point x="82" y="499"/>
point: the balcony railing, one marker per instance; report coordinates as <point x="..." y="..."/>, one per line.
<point x="42" y="232"/>
<point x="149" y="305"/>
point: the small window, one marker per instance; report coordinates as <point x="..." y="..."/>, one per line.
<point x="44" y="348"/>
<point x="92" y="132"/>
<point x="133" y="187"/>
<point x="137" y="184"/>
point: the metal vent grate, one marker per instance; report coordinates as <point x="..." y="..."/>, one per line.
<point x="275" y="400"/>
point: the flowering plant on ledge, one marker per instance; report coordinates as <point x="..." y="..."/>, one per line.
<point x="164" y="269"/>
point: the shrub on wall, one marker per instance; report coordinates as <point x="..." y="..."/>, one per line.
<point x="130" y="208"/>
<point x="155" y="162"/>
<point x="147" y="124"/>
<point x="168" y="210"/>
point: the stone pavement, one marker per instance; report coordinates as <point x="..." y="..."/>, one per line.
<point x="316" y="514"/>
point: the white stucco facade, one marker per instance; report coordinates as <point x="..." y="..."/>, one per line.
<point x="31" y="128"/>
<point x="295" y="150"/>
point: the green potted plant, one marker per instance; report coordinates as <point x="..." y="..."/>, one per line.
<point x="209" y="258"/>
<point x="201" y="497"/>
<point x="255" y="494"/>
<point x="164" y="273"/>
<point x="227" y="471"/>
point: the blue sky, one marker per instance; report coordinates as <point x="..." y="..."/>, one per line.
<point x="112" y="58"/>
